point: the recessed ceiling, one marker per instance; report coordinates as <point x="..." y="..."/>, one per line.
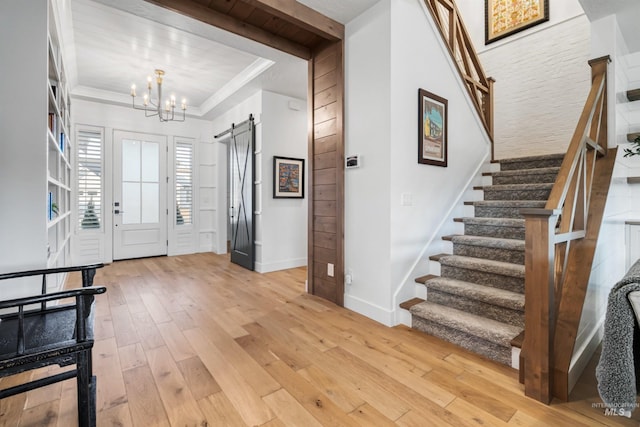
<point x="117" y="43"/>
<point x="114" y="47"/>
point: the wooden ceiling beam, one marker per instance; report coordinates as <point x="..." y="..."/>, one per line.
<point x="207" y="15"/>
<point x="303" y="17"/>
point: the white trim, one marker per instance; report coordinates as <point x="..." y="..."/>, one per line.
<point x="372" y="311"/>
<point x="256" y="68"/>
<point x="583" y="355"/>
<point x="515" y="357"/>
<point x="267" y="267"/>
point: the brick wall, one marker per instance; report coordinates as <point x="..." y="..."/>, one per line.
<point x="542" y="82"/>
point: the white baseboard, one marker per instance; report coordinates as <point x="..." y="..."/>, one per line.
<point x="403" y="317"/>
<point x="515" y="357"/>
<point x="372" y="311"/>
<point x="207" y="248"/>
<point x="268" y="267"/>
<point x="583" y="355"/>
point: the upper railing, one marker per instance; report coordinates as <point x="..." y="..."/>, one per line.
<point x="559" y="248"/>
<point x="454" y="33"/>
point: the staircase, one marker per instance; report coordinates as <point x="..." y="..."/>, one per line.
<point x="477" y="302"/>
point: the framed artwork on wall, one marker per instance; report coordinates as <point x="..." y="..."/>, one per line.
<point x="432" y="129"/>
<point x="506" y="17"/>
<point x="288" y="178"/>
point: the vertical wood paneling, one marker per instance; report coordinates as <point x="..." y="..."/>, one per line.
<point x="326" y="149"/>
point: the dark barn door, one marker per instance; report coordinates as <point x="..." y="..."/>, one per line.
<point x="241" y="178"/>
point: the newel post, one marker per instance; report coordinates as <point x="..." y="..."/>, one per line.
<point x="539" y="312"/>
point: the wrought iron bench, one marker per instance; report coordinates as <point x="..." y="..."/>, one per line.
<point x="43" y="330"/>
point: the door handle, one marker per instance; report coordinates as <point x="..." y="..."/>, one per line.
<point x="117" y="211"/>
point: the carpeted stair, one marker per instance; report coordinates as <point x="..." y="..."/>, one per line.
<point x="477" y="302"/>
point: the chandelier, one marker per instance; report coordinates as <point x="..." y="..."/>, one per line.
<point x="166" y="111"/>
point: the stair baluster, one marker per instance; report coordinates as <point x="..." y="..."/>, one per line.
<point x="454" y="33"/>
<point x="560" y="245"/>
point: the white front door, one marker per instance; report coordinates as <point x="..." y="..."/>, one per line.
<point x="139" y="195"/>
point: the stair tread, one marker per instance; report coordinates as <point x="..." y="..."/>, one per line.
<point x="437" y="257"/>
<point x="533" y="186"/>
<point x="491" y="242"/>
<point x="484" y="265"/>
<point x="481" y="327"/>
<point x="423" y="279"/>
<point x="532" y="171"/>
<point x="511" y="203"/>
<point x="633" y="95"/>
<point x="497" y="222"/>
<point x="533" y="158"/>
<point x="517" y="341"/>
<point x="474" y="291"/>
<point x="410" y="303"/>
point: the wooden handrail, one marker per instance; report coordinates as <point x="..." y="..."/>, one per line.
<point x="453" y="31"/>
<point x="559" y="248"/>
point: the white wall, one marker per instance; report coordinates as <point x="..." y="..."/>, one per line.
<point x="367" y="226"/>
<point x="281" y="224"/>
<point x="384" y="240"/>
<point x="111" y="118"/>
<point x="542" y="78"/>
<point x="23" y="120"/>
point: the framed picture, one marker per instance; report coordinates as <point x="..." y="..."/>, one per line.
<point x="506" y="17"/>
<point x="432" y="129"/>
<point x="288" y="178"/>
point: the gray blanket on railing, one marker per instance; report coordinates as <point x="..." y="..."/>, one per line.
<point x="618" y="369"/>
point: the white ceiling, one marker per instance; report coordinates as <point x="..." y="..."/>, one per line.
<point x="627" y="14"/>
<point x="117" y="43"/>
<point x="340" y="10"/>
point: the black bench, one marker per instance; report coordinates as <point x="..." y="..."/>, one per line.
<point x="36" y="332"/>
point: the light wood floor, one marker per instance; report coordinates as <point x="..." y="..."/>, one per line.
<point x="196" y="341"/>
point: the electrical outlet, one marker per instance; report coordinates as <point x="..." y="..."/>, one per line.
<point x="330" y="270"/>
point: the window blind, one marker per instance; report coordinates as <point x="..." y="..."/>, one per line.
<point x="184" y="183"/>
<point x="89" y="164"/>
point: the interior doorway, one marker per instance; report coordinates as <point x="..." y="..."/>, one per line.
<point x="139" y="195"/>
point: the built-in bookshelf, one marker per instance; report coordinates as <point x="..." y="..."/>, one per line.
<point x="58" y="146"/>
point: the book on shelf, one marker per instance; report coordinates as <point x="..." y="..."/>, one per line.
<point x="50" y="206"/>
<point x="62" y="142"/>
<point x="53" y="123"/>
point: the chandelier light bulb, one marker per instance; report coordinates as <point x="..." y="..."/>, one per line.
<point x="173" y="100"/>
<point x="133" y="90"/>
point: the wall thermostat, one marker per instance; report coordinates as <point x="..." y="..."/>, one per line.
<point x="352" y="161"/>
